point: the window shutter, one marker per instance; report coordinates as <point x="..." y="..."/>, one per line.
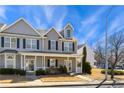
<point x="49" y="45"/>
<point x="56" y="45"/>
<point x="56" y="63"/>
<point x="2" y="41"/>
<point x="18" y="42"/>
<point x="48" y="64"/>
<point x="73" y="47"/>
<point x="62" y="46"/>
<point x="24" y="43"/>
<point x="37" y="44"/>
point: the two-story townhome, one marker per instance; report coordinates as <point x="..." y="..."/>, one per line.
<point x="24" y="47"/>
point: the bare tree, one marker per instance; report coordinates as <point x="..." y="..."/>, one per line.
<point x="99" y="53"/>
<point x="115" y="54"/>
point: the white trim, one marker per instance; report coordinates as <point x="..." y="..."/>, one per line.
<point x="35" y="64"/>
<point x="50" y="54"/>
<point x="18" y="35"/>
<point x="24" y="63"/>
<point x="54" y="62"/>
<point x="52" y="28"/>
<point x="25" y="22"/>
<point x="14" y="60"/>
<point x="21" y="62"/>
<point x="44" y="63"/>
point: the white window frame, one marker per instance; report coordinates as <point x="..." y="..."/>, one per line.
<point x="67" y="45"/>
<point x="10" y="42"/>
<point x="53" y="45"/>
<point x="65" y="33"/>
<point x="52" y="64"/>
<point x="14" y="60"/>
<point x="31" y="44"/>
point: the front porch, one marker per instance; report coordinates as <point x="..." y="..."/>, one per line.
<point x="34" y="61"/>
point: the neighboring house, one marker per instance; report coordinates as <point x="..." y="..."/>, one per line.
<point x="90" y="54"/>
<point x="24" y="47"/>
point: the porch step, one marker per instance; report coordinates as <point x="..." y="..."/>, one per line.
<point x="31" y="75"/>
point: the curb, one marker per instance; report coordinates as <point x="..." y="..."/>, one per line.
<point x="61" y="85"/>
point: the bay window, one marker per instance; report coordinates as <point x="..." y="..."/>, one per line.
<point x="10" y="60"/>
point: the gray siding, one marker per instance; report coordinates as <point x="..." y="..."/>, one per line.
<point x="18" y="61"/>
<point x="2" y="60"/>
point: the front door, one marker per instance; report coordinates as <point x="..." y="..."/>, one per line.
<point x="68" y="65"/>
<point x="30" y="65"/>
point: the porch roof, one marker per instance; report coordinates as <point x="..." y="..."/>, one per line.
<point x="50" y="54"/>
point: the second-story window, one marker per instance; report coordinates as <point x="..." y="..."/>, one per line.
<point x="7" y="42"/>
<point x="68" y="46"/>
<point x="28" y="43"/>
<point x="34" y="44"/>
<point x="31" y="44"/>
<point x="53" y="45"/>
<point x="13" y="42"/>
<point x="10" y="42"/>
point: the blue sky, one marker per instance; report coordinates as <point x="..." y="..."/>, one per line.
<point x="88" y="21"/>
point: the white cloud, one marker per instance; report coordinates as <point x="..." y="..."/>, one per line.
<point x="2" y="12"/>
<point x="59" y="21"/>
<point x="49" y="12"/>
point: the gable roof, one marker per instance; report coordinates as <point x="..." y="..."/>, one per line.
<point x="53" y="29"/>
<point x="17" y="21"/>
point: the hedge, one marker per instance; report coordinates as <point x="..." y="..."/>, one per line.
<point x="116" y="72"/>
<point x="52" y="71"/>
<point x="10" y="71"/>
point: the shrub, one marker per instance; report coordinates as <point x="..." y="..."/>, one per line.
<point x="116" y="72"/>
<point x="52" y="71"/>
<point x="40" y="72"/>
<point x="11" y="71"/>
<point x="63" y="69"/>
<point x="87" y="68"/>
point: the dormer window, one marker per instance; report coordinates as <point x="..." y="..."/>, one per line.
<point x="68" y="33"/>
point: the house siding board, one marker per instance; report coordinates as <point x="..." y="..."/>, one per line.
<point x="39" y="62"/>
<point x="18" y="61"/>
<point x="21" y="28"/>
<point x="2" y="61"/>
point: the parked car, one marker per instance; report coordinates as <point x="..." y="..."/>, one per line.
<point x="119" y="68"/>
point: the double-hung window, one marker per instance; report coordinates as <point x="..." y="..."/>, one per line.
<point x="10" y="42"/>
<point x="7" y="42"/>
<point x="13" y="42"/>
<point x="10" y="61"/>
<point x="31" y="43"/>
<point x="68" y="47"/>
<point x="28" y="43"/>
<point x="53" y="45"/>
<point x="34" y="44"/>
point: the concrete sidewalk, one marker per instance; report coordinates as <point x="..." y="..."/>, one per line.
<point x="39" y="83"/>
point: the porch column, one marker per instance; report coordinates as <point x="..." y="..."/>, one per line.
<point x="21" y="61"/>
<point x="5" y="60"/>
<point x="76" y="64"/>
<point x="44" y="67"/>
<point x="35" y="66"/>
<point x="24" y="63"/>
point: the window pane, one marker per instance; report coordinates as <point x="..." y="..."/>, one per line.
<point x="28" y="43"/>
<point x="9" y="63"/>
<point x="13" y="43"/>
<point x="9" y="56"/>
<point x="7" y="42"/>
<point x="34" y="44"/>
<point x="53" y="45"/>
<point x="70" y="46"/>
<point x="52" y="62"/>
